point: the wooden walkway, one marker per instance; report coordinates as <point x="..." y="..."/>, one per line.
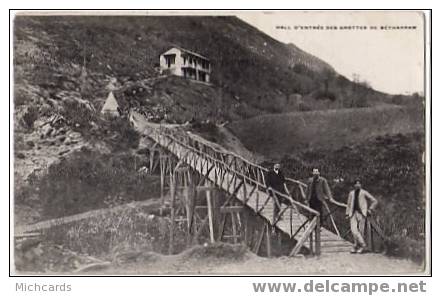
<point x="245" y="182"/>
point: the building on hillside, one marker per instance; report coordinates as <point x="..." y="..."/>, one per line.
<point x="181" y="62"/>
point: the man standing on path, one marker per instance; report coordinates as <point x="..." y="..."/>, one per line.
<point x="276" y="183"/>
<point x="356" y="211"/>
<point x="318" y="192"/>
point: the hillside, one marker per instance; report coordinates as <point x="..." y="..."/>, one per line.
<point x="252" y="73"/>
<point x="64" y="67"/>
<point x="290" y="133"/>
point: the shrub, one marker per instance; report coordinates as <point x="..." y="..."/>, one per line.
<point x="77" y="115"/>
<point x="116" y="233"/>
<point x="20" y="155"/>
<point x="30" y="116"/>
<point x="121" y="135"/>
<point x="88" y="180"/>
<point x="400" y="246"/>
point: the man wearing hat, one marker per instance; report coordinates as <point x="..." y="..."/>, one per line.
<point x="357" y="210"/>
<point x="318" y="192"/>
<point x="276" y="184"/>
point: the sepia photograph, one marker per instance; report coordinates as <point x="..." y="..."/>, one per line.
<point x="209" y="142"/>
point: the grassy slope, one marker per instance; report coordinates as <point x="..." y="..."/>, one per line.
<point x="287" y="134"/>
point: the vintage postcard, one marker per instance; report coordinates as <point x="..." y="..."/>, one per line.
<point x="220" y="143"/>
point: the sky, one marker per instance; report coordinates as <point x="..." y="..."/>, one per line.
<point x="391" y="61"/>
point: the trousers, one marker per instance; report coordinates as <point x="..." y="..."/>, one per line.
<point x="358" y="222"/>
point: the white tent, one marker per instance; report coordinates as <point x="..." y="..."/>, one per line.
<point x="110" y="106"/>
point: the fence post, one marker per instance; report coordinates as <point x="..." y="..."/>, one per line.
<point x="268" y="241"/>
<point x="210" y="215"/>
<point x="317" y="236"/>
<point x="369" y="235"/>
<point x="172" y="213"/>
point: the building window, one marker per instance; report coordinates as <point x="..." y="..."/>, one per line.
<point x="202" y="76"/>
<point x="170" y="60"/>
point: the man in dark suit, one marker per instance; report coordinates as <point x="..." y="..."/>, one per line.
<point x="357" y="210"/>
<point x="275" y="182"/>
<point x="318" y="192"/>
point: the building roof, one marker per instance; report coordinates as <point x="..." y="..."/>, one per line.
<point x="111" y="105"/>
<point x="189" y="52"/>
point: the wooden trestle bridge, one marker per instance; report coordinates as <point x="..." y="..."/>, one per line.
<point x="193" y="165"/>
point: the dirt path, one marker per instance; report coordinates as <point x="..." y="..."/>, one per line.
<point x="250" y="264"/>
<point x="21" y="229"/>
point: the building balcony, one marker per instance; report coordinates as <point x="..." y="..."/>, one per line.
<point x="197" y="67"/>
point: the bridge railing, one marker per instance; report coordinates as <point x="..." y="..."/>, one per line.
<point x="334" y="213"/>
<point x="244" y="177"/>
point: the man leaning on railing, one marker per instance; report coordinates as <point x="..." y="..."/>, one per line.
<point x="318" y="192"/>
<point x="357" y="211"/>
<point x="276" y="183"/>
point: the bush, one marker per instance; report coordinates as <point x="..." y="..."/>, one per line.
<point x="30" y="116"/>
<point x="406" y="247"/>
<point x="121" y="135"/>
<point x="114" y="234"/>
<point x="78" y="116"/>
<point x="20" y="155"/>
<point x="88" y="180"/>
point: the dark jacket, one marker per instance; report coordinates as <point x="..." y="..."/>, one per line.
<point x="276" y="181"/>
<point x="323" y="190"/>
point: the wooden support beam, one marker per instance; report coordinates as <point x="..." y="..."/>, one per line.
<point x="233" y="226"/>
<point x="231" y="209"/>
<point x="246" y="230"/>
<point x="317" y="237"/>
<point x="163" y="167"/>
<point x="245" y="196"/>
<point x="268" y="241"/>
<point x="172" y="218"/>
<point x="210" y="216"/>
<point x="188" y="212"/>
<point x="377" y="228"/>
<point x="205" y="188"/>
<point x="200" y="229"/>
<point x="303" y="238"/>
<point x="182" y="169"/>
<point x="331" y="217"/>
<point x="222" y="227"/>
<point x="369" y="237"/>
<point x="235" y="237"/>
<point x="279" y="242"/>
<point x="260" y="239"/>
<point x="236" y="190"/>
